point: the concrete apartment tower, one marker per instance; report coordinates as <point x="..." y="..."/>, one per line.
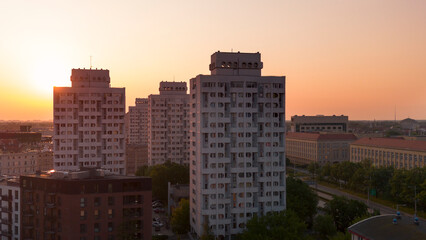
<point x="168" y="124"/>
<point x="138" y="122"/>
<point x="88" y="123"/>
<point x="237" y="151"/>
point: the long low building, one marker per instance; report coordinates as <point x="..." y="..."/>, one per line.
<point x="27" y="162"/>
<point x="396" y="152"/>
<point x="304" y="148"/>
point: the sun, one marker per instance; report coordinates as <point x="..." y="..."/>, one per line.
<point x="48" y="73"/>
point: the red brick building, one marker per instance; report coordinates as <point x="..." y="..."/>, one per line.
<point x="85" y="205"/>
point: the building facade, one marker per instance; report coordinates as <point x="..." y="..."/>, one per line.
<point x="136" y="157"/>
<point x="27" y="162"/>
<point x="319" y="123"/>
<point x="168" y="124"/>
<point x="138" y="122"/>
<point x="385" y="152"/>
<point x="88" y="123"/>
<point x="10" y="209"/>
<point x="321" y="148"/>
<point x="85" y="205"/>
<point x="237" y="151"/>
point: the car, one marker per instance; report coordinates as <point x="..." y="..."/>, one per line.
<point x="157" y="205"/>
<point x="157" y="224"/>
<point x="159" y="210"/>
<point x="156" y="219"/>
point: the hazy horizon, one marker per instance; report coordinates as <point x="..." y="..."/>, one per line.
<point x="357" y="58"/>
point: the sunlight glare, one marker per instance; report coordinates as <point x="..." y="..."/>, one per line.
<point x="48" y="73"/>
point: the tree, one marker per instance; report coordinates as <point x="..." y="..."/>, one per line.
<point x="380" y="178"/>
<point x="341" y="236"/>
<point x="162" y="174"/>
<point x="324" y="226"/>
<point x="180" y="218"/>
<point x="275" y="225"/>
<point x="344" y="211"/>
<point x="314" y="168"/>
<point x="301" y="199"/>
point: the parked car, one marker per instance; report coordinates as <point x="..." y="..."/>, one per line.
<point x="157" y="205"/>
<point x="157" y="224"/>
<point x="159" y="210"/>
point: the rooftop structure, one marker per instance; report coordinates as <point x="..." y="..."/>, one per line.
<point x="319" y="123"/>
<point x="388" y="227"/>
<point x="392" y="143"/>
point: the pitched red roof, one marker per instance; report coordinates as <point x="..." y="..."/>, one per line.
<point x="315" y="136"/>
<point x="396" y="143"/>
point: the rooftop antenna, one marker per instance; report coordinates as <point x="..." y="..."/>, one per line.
<point x="90" y="62"/>
<point x="232" y="50"/>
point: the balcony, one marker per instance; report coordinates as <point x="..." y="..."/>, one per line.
<point x="51" y="218"/>
<point x="6" y="209"/>
<point x="6" y="233"/>
<point x="50" y="231"/>
<point x="28" y="213"/>
<point x="5" y="221"/>
<point x="50" y="205"/>
<point x="28" y="226"/>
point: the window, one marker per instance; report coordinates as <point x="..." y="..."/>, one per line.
<point x="110" y="227"/>
<point x="96" y="227"/>
<point x="110" y="213"/>
<point x="82" y="202"/>
<point x="83" y="214"/>
<point x="83" y="228"/>
<point x="110" y="201"/>
<point x="97" y="201"/>
<point x="96" y="214"/>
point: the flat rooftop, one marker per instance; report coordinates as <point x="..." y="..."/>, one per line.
<point x="381" y="227"/>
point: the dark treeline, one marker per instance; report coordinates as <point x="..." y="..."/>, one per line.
<point x="397" y="185"/>
<point x="162" y="174"/>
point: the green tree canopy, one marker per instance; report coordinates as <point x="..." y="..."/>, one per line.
<point x="301" y="199"/>
<point x="180" y="218"/>
<point x="324" y="226"/>
<point x="275" y="226"/>
<point x="344" y="211"/>
<point x="162" y="174"/>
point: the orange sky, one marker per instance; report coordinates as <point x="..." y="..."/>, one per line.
<point x="358" y="58"/>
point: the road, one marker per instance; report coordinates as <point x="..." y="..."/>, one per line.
<point x="372" y="205"/>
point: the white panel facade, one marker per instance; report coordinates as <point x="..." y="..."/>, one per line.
<point x="237" y="152"/>
<point x="89" y="122"/>
<point x="168" y="124"/>
<point x="138" y="122"/>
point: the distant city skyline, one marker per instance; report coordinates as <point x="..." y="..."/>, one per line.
<point x="357" y="58"/>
